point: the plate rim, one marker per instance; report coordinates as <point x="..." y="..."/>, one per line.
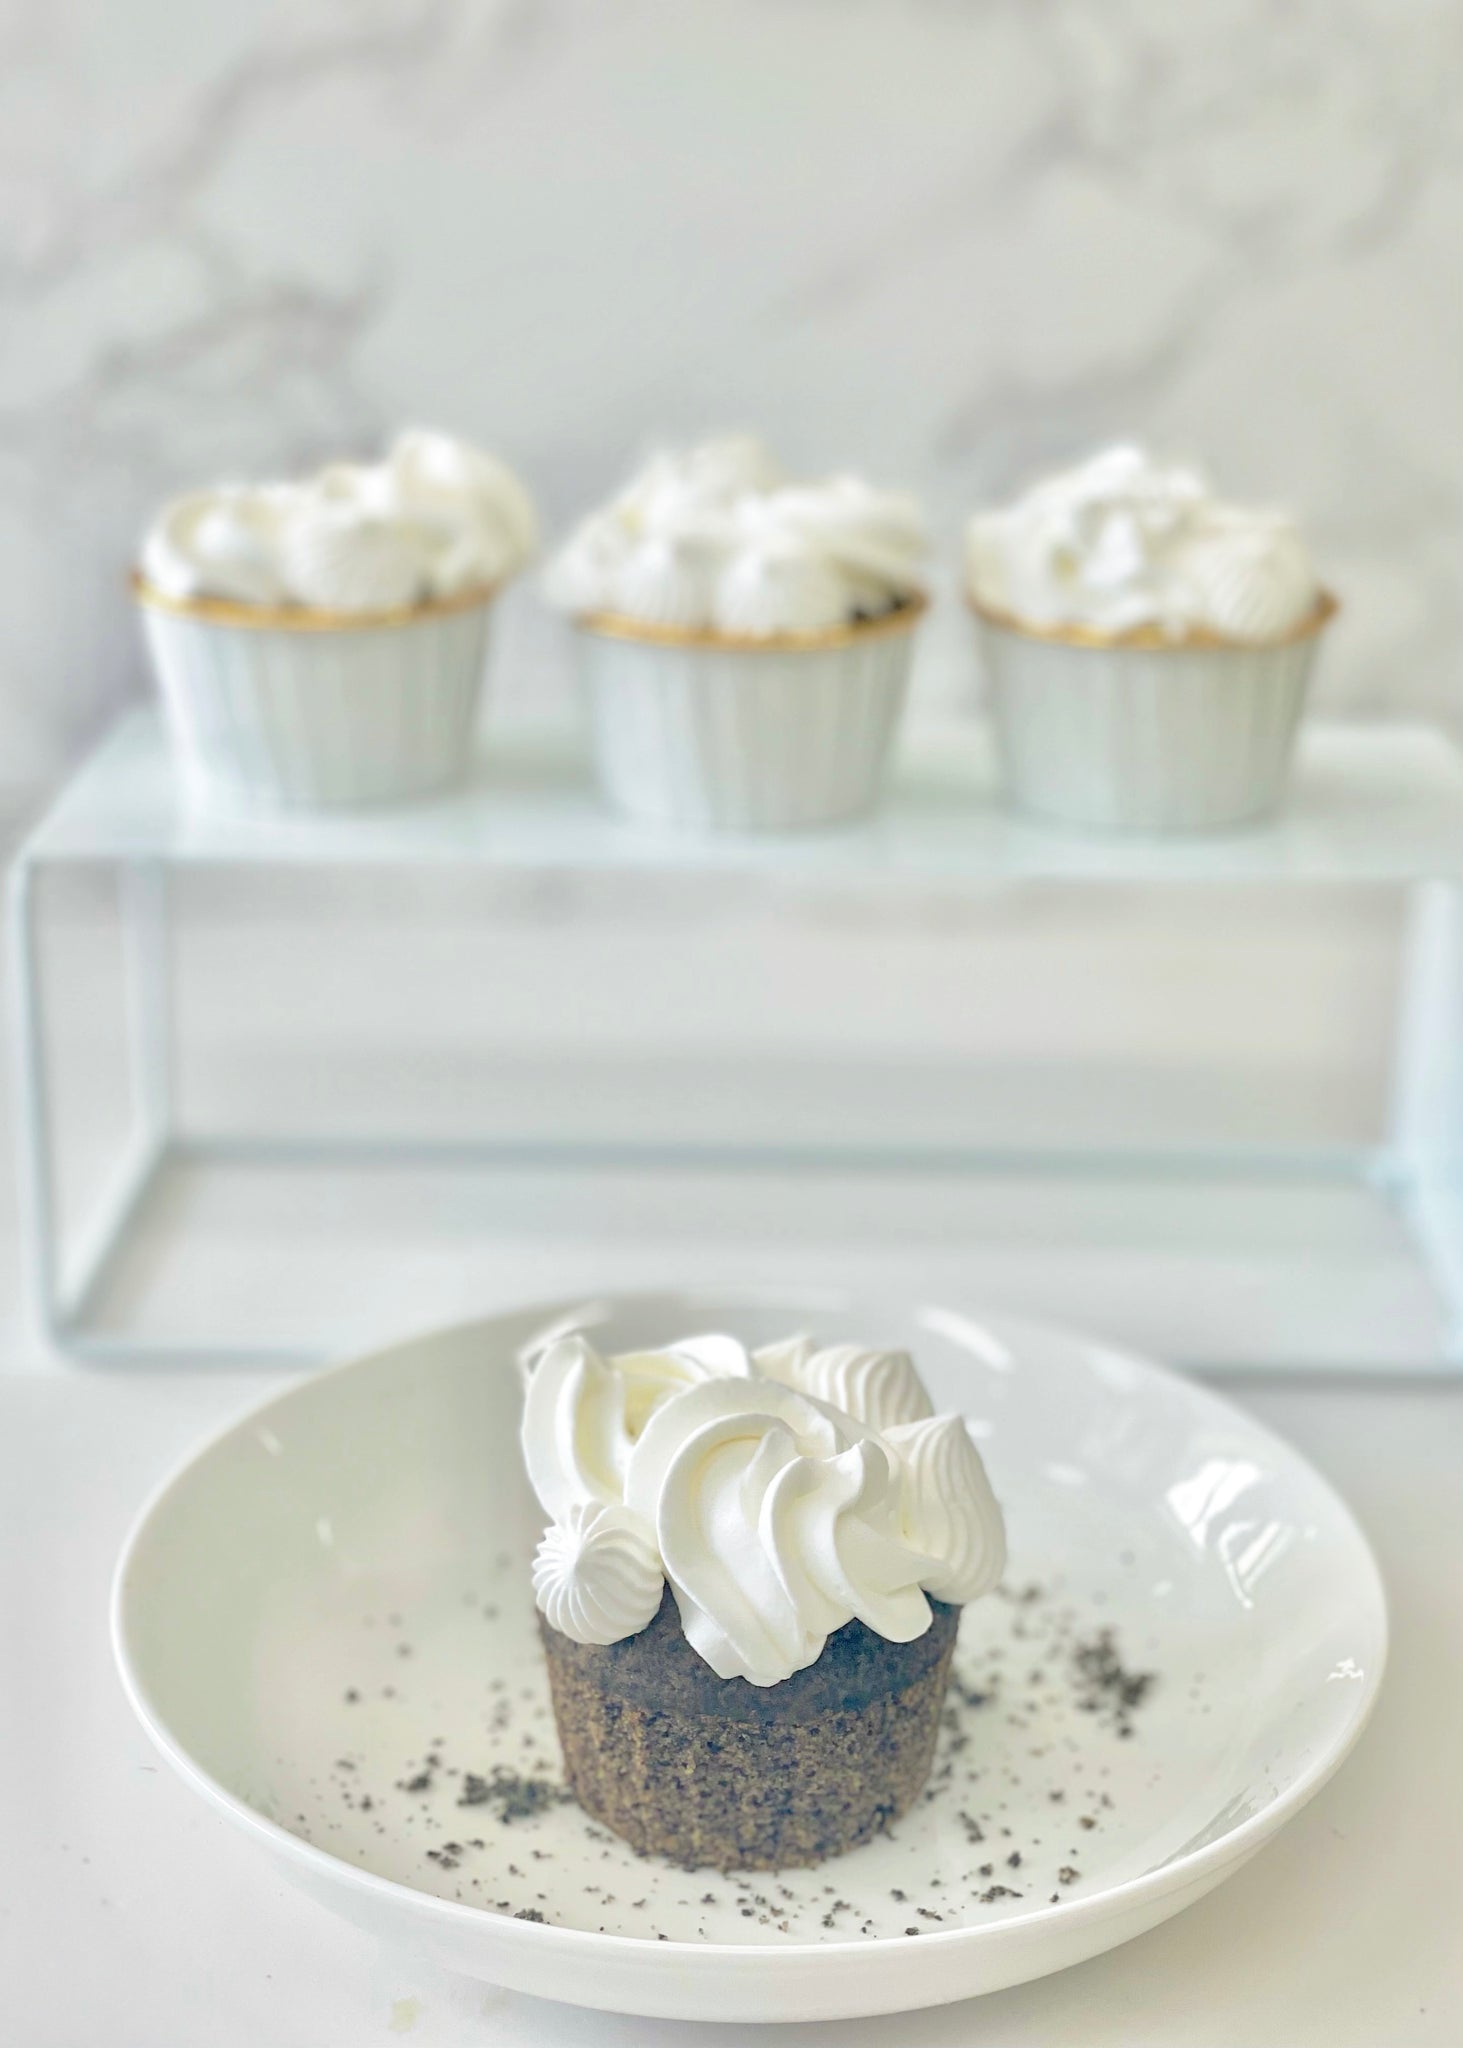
<point x="1182" y="1873"/>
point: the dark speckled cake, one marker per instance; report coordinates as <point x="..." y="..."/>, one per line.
<point x="750" y="1591"/>
<point x="709" y="1770"/>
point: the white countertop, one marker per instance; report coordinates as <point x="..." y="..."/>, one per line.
<point x="132" y="1917"/>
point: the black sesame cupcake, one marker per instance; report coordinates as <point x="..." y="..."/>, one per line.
<point x="744" y="641"/>
<point x="750" y="1590"/>
<point x="320" y="644"/>
<point x="1148" y="647"/>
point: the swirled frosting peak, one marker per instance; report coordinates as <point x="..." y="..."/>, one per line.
<point x="878" y="1388"/>
<point x="782" y="1493"/>
<point x="434" y="519"/>
<point x="716" y="537"/>
<point x="1122" y="542"/>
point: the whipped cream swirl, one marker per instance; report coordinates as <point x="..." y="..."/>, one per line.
<point x="879" y="1388"/>
<point x="715" y="537"/>
<point x="781" y="1493"/>
<point x="1121" y="543"/>
<point x="435" y="519"/>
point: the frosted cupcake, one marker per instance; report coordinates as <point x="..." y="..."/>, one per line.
<point x="750" y="1588"/>
<point x="745" y="641"/>
<point x="322" y="642"/>
<point x="1148" y="647"/>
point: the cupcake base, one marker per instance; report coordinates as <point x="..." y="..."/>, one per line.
<point x="1145" y="738"/>
<point x="273" y="716"/>
<point x="717" y="1772"/>
<point x="706" y="734"/>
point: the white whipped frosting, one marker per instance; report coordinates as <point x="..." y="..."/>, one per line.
<point x="597" y="1574"/>
<point x="878" y="1388"/>
<point x="781" y="1493"/>
<point x="716" y="537"/>
<point x="1121" y="542"/>
<point x="434" y="519"/>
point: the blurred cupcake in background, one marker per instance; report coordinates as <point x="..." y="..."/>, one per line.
<point x="322" y="642"/>
<point x="745" y="640"/>
<point x="1148" y="647"/>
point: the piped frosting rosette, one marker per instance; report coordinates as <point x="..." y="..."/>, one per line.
<point x="434" y="519"/>
<point x="716" y="537"/>
<point x="781" y="1494"/>
<point x="1147" y="646"/>
<point x="1122" y="543"/>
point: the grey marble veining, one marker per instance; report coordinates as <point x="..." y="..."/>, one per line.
<point x="941" y="241"/>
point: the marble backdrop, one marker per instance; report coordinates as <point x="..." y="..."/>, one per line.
<point x="947" y="241"/>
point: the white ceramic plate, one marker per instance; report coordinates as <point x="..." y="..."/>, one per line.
<point x="324" y="1622"/>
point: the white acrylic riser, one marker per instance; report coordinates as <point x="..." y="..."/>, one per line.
<point x="1370" y="805"/>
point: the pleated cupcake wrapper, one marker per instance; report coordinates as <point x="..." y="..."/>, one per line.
<point x="743" y="740"/>
<point x="275" y="719"/>
<point x="1145" y="739"/>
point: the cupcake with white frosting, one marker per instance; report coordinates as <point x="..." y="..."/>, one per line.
<point x="322" y="642"/>
<point x="1148" y="646"/>
<point x="750" y="1587"/>
<point x="745" y="640"/>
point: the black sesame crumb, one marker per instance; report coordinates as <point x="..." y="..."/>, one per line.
<point x="1107" y="1687"/>
<point x="1047" y="1663"/>
<point x="514" y="1796"/>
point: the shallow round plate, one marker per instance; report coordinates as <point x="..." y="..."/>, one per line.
<point x="325" y="1624"/>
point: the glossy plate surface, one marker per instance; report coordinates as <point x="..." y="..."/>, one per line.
<point x="324" y="1621"/>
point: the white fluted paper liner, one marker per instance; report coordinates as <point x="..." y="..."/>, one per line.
<point x="744" y="739"/>
<point x="267" y="717"/>
<point x="1144" y="739"/>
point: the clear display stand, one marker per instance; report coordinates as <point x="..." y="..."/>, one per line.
<point x="1370" y="805"/>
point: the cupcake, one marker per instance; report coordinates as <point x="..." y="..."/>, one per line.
<point x="322" y="643"/>
<point x="1147" y="646"/>
<point x="750" y="1588"/>
<point x="744" y="640"/>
